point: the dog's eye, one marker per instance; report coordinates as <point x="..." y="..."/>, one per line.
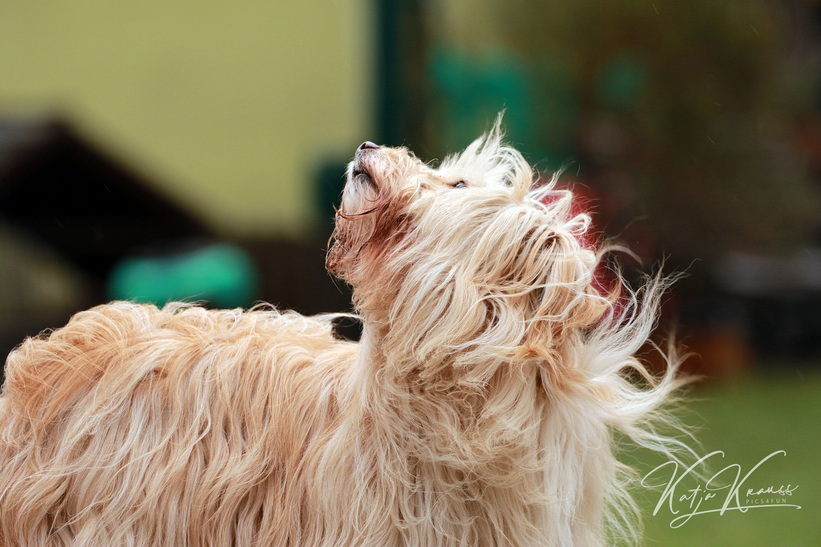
<point x="459" y="184"/>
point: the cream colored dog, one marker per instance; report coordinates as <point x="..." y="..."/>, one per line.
<point x="479" y="407"/>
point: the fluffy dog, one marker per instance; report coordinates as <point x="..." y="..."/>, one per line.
<point x="479" y="408"/>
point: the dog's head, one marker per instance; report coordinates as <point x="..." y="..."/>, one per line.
<point x="476" y="246"/>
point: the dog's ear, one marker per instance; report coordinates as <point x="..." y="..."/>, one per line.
<point x="557" y="312"/>
<point x="564" y="293"/>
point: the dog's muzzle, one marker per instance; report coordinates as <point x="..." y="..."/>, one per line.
<point x="360" y="169"/>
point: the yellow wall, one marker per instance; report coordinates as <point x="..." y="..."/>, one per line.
<point x="229" y="106"/>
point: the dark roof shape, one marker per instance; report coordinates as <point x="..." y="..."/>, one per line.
<point x="65" y="192"/>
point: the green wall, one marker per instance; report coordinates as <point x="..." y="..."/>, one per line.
<point x="229" y="106"/>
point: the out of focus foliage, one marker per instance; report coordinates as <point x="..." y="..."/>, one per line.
<point x="681" y="114"/>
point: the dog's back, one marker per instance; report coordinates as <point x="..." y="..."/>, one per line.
<point x="133" y="425"/>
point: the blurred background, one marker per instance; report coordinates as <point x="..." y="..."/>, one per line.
<point x="164" y="150"/>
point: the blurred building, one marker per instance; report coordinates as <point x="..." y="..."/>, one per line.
<point x="232" y="107"/>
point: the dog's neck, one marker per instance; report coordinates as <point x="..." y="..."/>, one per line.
<point x="484" y="408"/>
<point x="487" y="434"/>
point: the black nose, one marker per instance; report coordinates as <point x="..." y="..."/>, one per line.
<point x="368" y="145"/>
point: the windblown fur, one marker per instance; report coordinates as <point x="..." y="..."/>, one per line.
<point x="479" y="408"/>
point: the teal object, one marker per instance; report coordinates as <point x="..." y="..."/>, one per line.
<point x="557" y="110"/>
<point x="473" y="90"/>
<point x="539" y="101"/>
<point x="621" y="82"/>
<point x="222" y="274"/>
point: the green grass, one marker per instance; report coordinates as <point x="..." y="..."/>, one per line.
<point x="748" y="419"/>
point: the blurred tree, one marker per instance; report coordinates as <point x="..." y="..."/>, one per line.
<point x="679" y="112"/>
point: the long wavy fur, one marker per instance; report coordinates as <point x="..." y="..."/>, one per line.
<point x="479" y="408"/>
